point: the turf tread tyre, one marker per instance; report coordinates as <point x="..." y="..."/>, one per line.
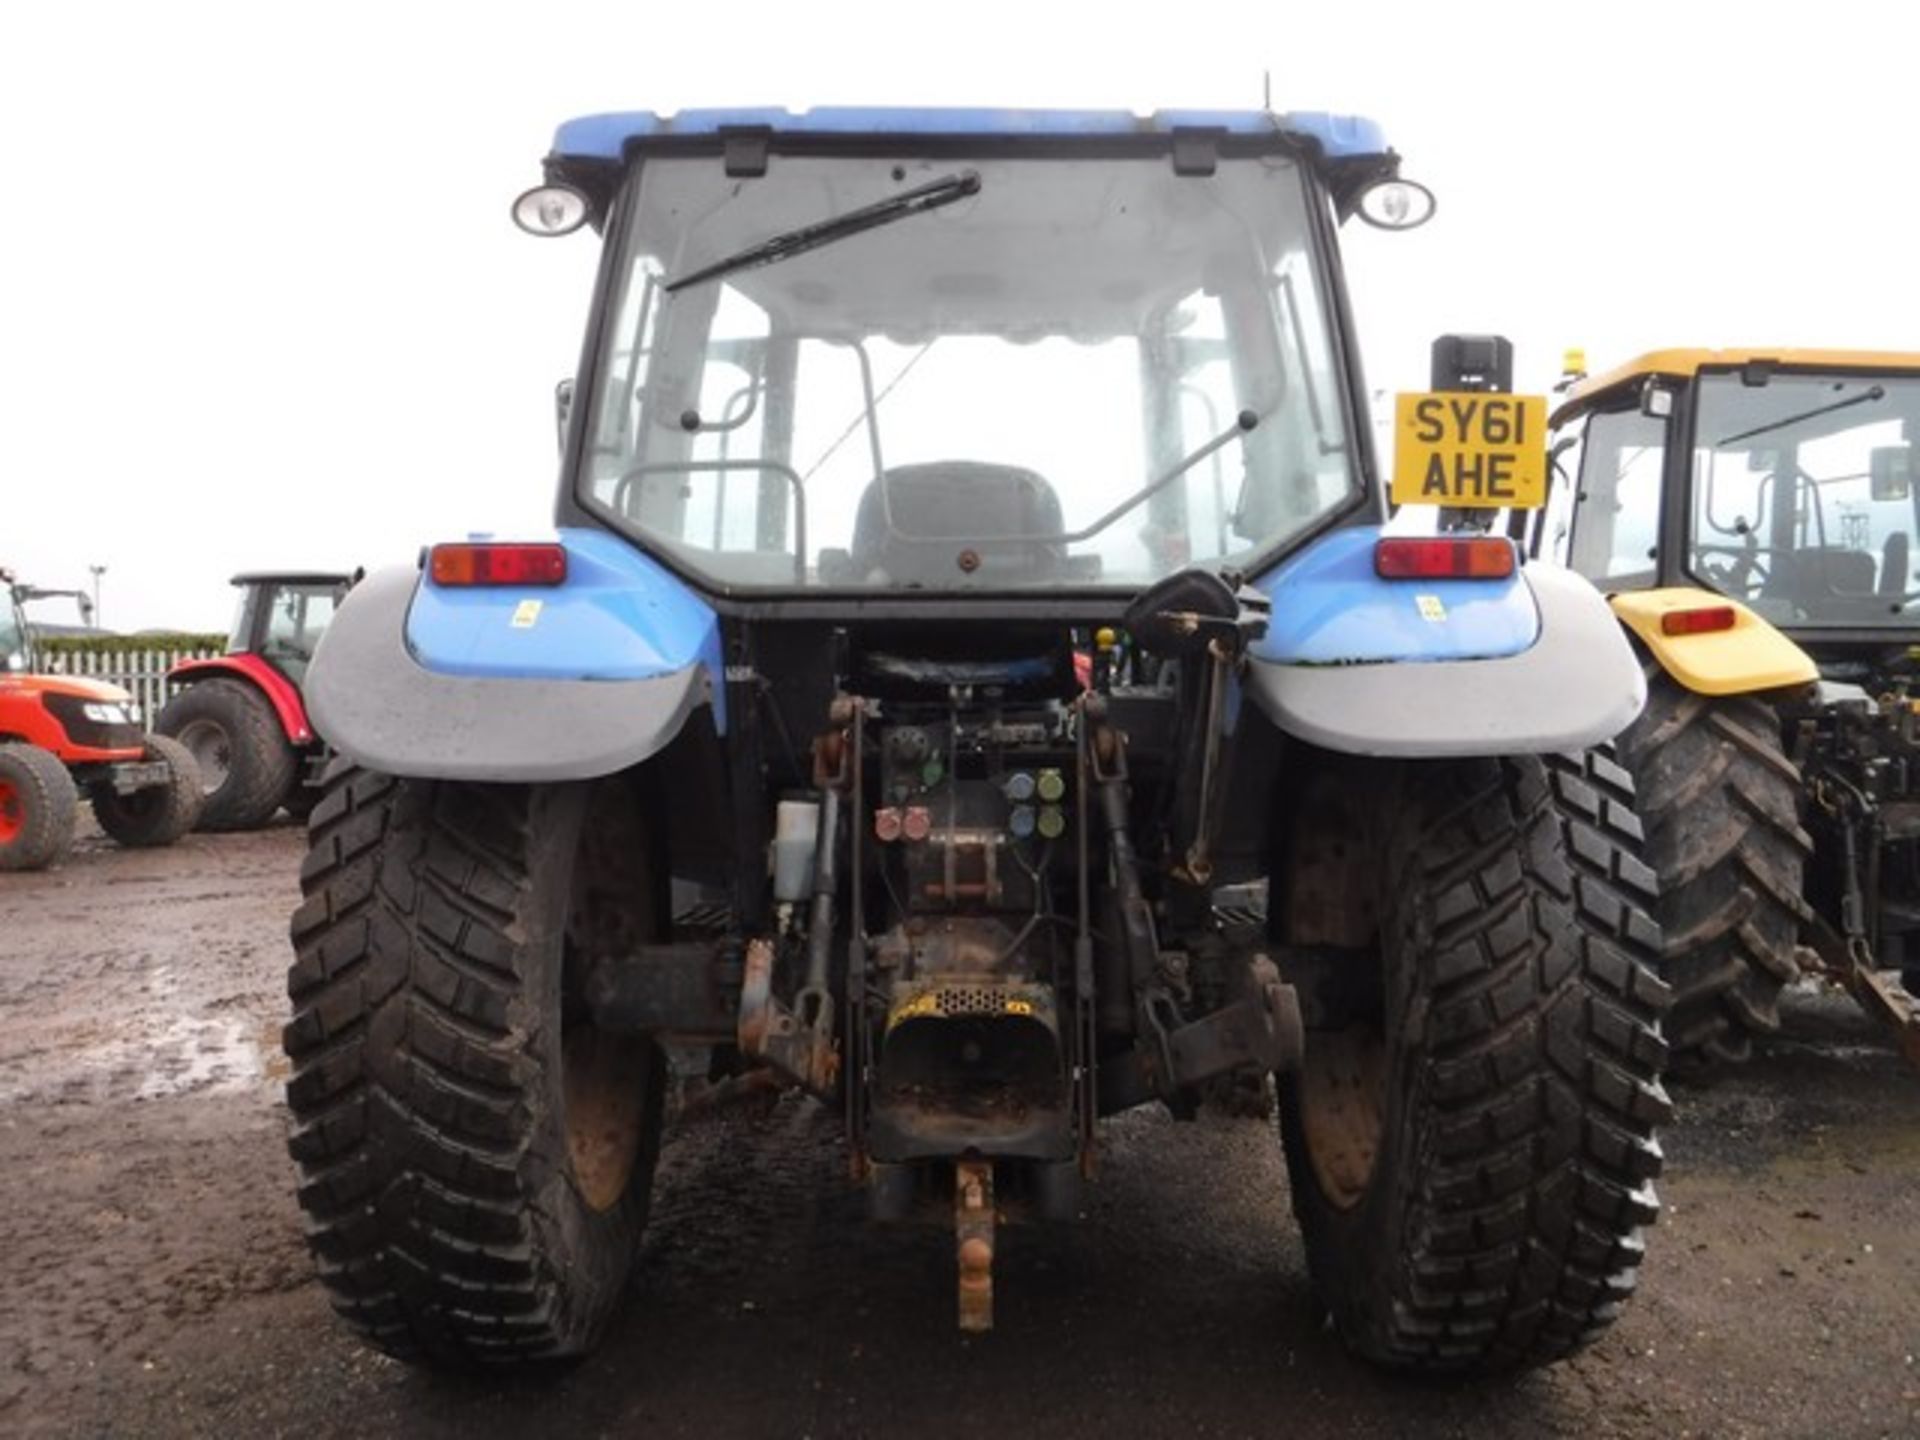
<point x="425" y="1041"/>
<point x="160" y="814"/>
<point x="262" y="766"/>
<point x="1501" y="1224"/>
<point x="47" y="807"/>
<point x="1720" y="801"/>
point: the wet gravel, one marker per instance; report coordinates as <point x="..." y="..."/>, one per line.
<point x="153" y="1279"/>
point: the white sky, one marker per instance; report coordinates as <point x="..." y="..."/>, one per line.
<point x="261" y="303"/>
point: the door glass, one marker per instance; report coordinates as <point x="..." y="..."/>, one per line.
<point x="1616" y="517"/>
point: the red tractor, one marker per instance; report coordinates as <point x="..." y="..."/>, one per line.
<point x="60" y="736"/>
<point x="241" y="714"/>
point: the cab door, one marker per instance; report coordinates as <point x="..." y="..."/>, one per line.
<point x="1608" y="527"/>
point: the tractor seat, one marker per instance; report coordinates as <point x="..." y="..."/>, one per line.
<point x="1896" y="564"/>
<point x="1809" y="577"/>
<point x="954" y="520"/>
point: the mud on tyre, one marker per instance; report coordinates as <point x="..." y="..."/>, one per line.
<point x="475" y="1157"/>
<point x="1470" y="1143"/>
<point x="1720" y="802"/>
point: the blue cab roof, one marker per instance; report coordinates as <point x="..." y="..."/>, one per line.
<point x="605" y="137"/>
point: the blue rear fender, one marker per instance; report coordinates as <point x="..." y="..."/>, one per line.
<point x="1534" y="663"/>
<point x="620" y="615"/>
<point x="1330" y="608"/>
<point x="519" y="683"/>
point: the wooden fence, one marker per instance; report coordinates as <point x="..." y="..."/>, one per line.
<point x="142" y="672"/>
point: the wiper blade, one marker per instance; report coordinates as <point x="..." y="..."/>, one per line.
<point x="932" y="196"/>
<point x="1243" y="423"/>
<point x="1872" y="392"/>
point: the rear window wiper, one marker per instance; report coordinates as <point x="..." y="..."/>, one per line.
<point x="1872" y="392"/>
<point x="946" y="191"/>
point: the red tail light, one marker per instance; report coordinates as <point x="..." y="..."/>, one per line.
<point x="497" y="564"/>
<point x="1423" y="558"/>
<point x="1697" y="621"/>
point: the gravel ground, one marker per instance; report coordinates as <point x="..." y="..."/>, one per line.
<point x="155" y="1281"/>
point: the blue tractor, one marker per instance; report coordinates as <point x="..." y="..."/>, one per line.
<point x="970" y="683"/>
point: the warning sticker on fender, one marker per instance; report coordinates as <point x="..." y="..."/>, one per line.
<point x="526" y="614"/>
<point x="1471" y="449"/>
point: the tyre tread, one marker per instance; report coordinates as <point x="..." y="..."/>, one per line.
<point x="1720" y="799"/>
<point x="52" y="807"/>
<point x="1533" y="1065"/>
<point x="410" y="1150"/>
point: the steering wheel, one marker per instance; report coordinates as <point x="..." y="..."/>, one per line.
<point x="1734" y="568"/>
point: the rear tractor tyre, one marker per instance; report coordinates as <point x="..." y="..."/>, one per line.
<point x="38" y="806"/>
<point x="159" y="814"/>
<point x="1471" y="1154"/>
<point x="246" y="761"/>
<point x="1720" y="801"/>
<point x="475" y="1156"/>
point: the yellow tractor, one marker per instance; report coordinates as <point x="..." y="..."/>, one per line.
<point x="1752" y="516"/>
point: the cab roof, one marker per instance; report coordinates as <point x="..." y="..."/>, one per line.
<point x="608" y="136"/>
<point x="1685" y="364"/>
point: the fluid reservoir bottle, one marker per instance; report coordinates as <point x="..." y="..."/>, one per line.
<point x="796" y="834"/>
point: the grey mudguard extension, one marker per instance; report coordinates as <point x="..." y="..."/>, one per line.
<point x="374" y="703"/>
<point x="1576" y="686"/>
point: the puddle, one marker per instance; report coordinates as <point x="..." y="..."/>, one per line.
<point x="179" y="1055"/>
<point x="150" y="1055"/>
<point x="210" y="1055"/>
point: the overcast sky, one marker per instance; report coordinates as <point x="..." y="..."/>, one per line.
<point x="261" y="303"/>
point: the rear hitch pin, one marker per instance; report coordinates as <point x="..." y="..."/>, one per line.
<point x="973" y="1232"/>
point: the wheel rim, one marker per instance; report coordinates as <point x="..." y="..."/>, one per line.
<point x="1343" y="1106"/>
<point x="13" y="812"/>
<point x="212" y="749"/>
<point x="605" y="1084"/>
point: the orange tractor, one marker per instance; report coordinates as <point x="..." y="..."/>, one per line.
<point x="63" y="735"/>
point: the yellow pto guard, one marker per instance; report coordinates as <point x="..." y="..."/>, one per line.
<point x="1710" y="644"/>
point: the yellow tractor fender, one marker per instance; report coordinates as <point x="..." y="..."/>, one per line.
<point x="1725" y="659"/>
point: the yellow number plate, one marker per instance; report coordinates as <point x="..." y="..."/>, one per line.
<point x="1477" y="450"/>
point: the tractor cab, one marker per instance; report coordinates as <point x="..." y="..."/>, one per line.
<point x="1784" y="480"/>
<point x="16" y="652"/>
<point x="281" y="616"/>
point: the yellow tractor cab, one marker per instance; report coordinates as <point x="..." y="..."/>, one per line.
<point x="1753" y="518"/>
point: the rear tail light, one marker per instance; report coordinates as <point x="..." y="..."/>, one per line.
<point x="1697" y="621"/>
<point x="498" y="564"/>
<point x="1425" y="558"/>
